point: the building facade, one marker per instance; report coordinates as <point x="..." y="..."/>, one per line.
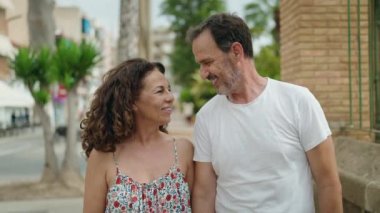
<point x="332" y="47"/>
<point x="6" y="48"/>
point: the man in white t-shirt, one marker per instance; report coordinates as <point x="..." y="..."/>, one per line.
<point x="260" y="142"/>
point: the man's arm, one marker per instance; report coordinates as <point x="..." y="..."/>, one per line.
<point x="323" y="166"/>
<point x="204" y="189"/>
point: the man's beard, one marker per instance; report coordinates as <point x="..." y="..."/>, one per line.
<point x="233" y="81"/>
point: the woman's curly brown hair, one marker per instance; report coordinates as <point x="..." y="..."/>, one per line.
<point x="110" y="118"/>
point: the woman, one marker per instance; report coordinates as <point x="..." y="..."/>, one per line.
<point x="133" y="164"/>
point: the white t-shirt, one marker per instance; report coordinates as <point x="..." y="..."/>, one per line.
<point x="258" y="149"/>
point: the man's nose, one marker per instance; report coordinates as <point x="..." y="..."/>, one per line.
<point x="204" y="72"/>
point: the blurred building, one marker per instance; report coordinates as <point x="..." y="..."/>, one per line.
<point x="73" y="24"/>
<point x="15" y="101"/>
<point x="6" y="48"/>
<point x="162" y="47"/>
<point x="17" y="23"/>
<point x="333" y="48"/>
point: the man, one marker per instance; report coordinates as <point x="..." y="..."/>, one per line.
<point x="259" y="142"/>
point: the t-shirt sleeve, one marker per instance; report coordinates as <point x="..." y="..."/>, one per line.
<point x="202" y="145"/>
<point x="312" y="124"/>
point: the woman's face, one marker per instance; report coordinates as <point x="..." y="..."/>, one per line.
<point x="155" y="102"/>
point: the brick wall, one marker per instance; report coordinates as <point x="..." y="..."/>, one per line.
<point x="315" y="54"/>
<point x="3" y="22"/>
<point x="4" y="70"/>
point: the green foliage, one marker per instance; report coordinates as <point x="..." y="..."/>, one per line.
<point x="39" y="69"/>
<point x="202" y="91"/>
<point x="260" y="14"/>
<point x="183" y="63"/>
<point x="41" y="96"/>
<point x="186" y="95"/>
<point x="184" y="14"/>
<point x="36" y="70"/>
<point x="74" y="62"/>
<point x="268" y="62"/>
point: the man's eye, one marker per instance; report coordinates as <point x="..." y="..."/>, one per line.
<point x="207" y="63"/>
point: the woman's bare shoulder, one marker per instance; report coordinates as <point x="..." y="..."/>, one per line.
<point x="100" y="157"/>
<point x="185" y="147"/>
<point x="184" y="143"/>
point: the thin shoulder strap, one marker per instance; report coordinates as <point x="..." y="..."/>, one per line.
<point x="175" y="152"/>
<point x="116" y="162"/>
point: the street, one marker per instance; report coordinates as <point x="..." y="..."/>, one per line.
<point x="22" y="156"/>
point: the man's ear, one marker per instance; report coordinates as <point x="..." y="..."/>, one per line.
<point x="237" y="49"/>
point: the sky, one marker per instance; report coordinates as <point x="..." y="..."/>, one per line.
<point x="106" y="12"/>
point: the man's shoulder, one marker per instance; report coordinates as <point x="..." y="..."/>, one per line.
<point x="212" y="104"/>
<point x="287" y="85"/>
<point x="293" y="93"/>
<point x="287" y="88"/>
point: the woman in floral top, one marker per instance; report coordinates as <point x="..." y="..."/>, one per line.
<point x="133" y="164"/>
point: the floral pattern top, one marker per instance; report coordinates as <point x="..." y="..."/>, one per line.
<point x="169" y="193"/>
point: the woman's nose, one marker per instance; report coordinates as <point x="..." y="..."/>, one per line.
<point x="170" y="96"/>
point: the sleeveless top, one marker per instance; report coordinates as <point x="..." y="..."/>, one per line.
<point x="168" y="193"/>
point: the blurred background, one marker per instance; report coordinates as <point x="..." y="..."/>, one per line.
<point x="53" y="55"/>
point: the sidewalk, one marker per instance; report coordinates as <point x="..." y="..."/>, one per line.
<point x="62" y="205"/>
<point x="22" y="134"/>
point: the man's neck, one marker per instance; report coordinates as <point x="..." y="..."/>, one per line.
<point x="252" y="86"/>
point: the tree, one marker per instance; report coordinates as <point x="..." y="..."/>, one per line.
<point x="33" y="68"/>
<point x="41" y="23"/>
<point x="261" y="15"/>
<point x="129" y="30"/>
<point x="267" y="62"/>
<point x="183" y="15"/>
<point x="202" y="91"/>
<point x="73" y="63"/>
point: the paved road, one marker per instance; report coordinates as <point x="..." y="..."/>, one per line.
<point x="22" y="156"/>
<point x="21" y="159"/>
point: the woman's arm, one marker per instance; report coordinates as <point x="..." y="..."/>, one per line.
<point x="95" y="190"/>
<point x="186" y="153"/>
